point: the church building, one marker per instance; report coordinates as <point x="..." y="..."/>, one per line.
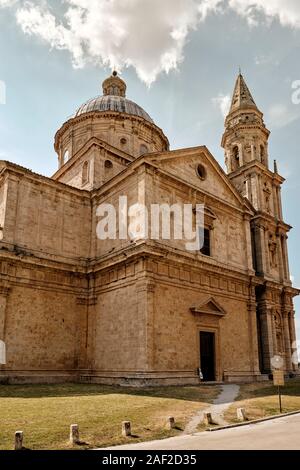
<point x="145" y="312"/>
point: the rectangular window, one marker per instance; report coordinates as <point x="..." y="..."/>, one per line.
<point x="205" y="250"/>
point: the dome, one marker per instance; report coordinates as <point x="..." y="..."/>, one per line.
<point x="113" y="99"/>
<point x="113" y="103"/>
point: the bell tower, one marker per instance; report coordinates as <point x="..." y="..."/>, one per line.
<point x="246" y="137"/>
<point x="245" y="142"/>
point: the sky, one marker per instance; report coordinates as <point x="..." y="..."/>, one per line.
<point x="180" y="59"/>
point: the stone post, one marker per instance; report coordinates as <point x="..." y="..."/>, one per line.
<point x="74" y="434"/>
<point x="207" y="419"/>
<point x="19" y="440"/>
<point x="126" y="428"/>
<point x="241" y="414"/>
<point x="171" y="422"/>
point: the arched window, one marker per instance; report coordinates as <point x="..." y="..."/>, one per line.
<point x="85" y="173"/>
<point x="66" y="157"/>
<point x="143" y="149"/>
<point x="262" y="154"/>
<point x="235" y="158"/>
<point x="108" y="169"/>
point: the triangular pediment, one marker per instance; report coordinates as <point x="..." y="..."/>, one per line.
<point x="183" y="164"/>
<point x="209" y="307"/>
<point x="93" y="142"/>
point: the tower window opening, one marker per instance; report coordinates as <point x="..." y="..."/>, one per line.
<point x="262" y="154"/>
<point x="206" y="250"/>
<point x="236" y="158"/>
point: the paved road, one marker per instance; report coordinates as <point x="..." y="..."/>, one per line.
<point x="277" y="434"/>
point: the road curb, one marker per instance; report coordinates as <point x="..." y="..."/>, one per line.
<point x="255" y="421"/>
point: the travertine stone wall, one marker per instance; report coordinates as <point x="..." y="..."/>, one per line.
<point x="45" y="218"/>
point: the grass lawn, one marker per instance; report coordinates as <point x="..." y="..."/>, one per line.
<point x="260" y="400"/>
<point x="45" y="412"/>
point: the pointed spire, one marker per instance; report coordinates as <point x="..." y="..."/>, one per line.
<point x="242" y="97"/>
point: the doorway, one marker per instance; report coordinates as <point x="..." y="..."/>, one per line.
<point x="207" y="356"/>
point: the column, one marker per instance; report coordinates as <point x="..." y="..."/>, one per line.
<point x="253" y="338"/>
<point x="266" y="319"/>
<point x="260" y="249"/>
<point x="279" y="202"/>
<point x="248" y="242"/>
<point x="286" y="257"/>
<point x="266" y="250"/>
<point x="282" y="272"/>
<point x="293" y="339"/>
<point x="241" y="155"/>
<point x="275" y="348"/>
<point x="255" y="200"/>
<point x="252" y="152"/>
<point x="4" y="291"/>
<point x="287" y="342"/>
<point x="145" y="296"/>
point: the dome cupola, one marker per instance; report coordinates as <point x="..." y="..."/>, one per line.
<point x="113" y="119"/>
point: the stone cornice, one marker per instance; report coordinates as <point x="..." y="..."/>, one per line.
<point x="110" y="115"/>
<point x="255" y="164"/>
<point x="20" y="172"/>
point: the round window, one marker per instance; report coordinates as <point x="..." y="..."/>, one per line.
<point x="108" y="164"/>
<point x="201" y="172"/>
<point x="123" y="141"/>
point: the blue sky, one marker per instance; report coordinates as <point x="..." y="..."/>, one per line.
<point x="50" y="67"/>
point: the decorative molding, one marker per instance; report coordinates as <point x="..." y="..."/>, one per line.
<point x="209" y="307"/>
<point x="87" y="300"/>
<point x="4" y="290"/>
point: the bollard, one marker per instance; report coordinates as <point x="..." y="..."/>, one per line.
<point x="241" y="414"/>
<point x="171" y="422"/>
<point x="19" y="440"/>
<point x="207" y="419"/>
<point x="126" y="428"/>
<point x="74" y="434"/>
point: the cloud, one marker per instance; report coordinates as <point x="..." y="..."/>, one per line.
<point x="280" y="115"/>
<point x="286" y="11"/>
<point x="263" y="59"/>
<point x="149" y="35"/>
<point x="7" y="3"/>
<point x="223" y="103"/>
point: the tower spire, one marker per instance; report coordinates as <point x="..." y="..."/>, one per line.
<point x="245" y="139"/>
<point x="242" y="97"/>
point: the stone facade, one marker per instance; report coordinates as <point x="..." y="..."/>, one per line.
<point x="74" y="307"/>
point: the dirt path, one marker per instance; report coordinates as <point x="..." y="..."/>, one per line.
<point x="220" y="404"/>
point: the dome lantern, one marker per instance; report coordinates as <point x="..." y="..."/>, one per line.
<point x="114" y="86"/>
